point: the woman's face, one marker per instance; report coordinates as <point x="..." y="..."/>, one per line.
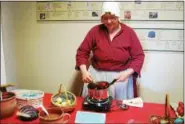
<point x="110" y="21"/>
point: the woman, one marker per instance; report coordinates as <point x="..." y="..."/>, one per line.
<point x="116" y="54"/>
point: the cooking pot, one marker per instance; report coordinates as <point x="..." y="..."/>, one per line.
<point x="99" y="90"/>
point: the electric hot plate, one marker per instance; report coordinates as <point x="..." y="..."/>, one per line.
<point x="97" y="105"/>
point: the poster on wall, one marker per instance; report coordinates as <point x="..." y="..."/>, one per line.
<point x="68" y="10"/>
<point x="165" y="40"/>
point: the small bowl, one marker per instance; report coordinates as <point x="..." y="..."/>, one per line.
<point x="56" y="115"/>
<point x="64" y="105"/>
<point x="8" y="104"/>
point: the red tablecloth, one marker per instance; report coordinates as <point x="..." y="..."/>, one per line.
<point x="116" y="115"/>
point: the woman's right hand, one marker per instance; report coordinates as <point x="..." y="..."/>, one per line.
<point x="86" y="77"/>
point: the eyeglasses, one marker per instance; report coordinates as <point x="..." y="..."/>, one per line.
<point x="106" y="18"/>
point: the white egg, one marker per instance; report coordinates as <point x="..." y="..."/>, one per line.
<point x="59" y="100"/>
<point x="63" y="103"/>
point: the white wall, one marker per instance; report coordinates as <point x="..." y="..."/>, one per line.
<point x="45" y="57"/>
<point x="3" y="71"/>
<point x="8" y="40"/>
<point x="162" y="74"/>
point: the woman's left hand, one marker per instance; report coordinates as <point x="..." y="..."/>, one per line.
<point x="123" y="76"/>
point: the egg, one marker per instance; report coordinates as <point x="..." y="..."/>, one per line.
<point x="163" y="121"/>
<point x="59" y="100"/>
<point x="69" y="101"/>
<point x="58" y="104"/>
<point x="64" y="104"/>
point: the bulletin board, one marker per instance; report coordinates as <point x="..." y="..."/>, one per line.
<point x="162" y="39"/>
<point x="138" y="10"/>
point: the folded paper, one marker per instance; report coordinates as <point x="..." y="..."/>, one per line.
<point x="89" y="117"/>
<point x="136" y="102"/>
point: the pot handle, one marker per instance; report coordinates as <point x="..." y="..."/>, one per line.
<point x="68" y="117"/>
<point x="113" y="82"/>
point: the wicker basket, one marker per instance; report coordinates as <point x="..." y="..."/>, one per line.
<point x="65" y="96"/>
<point x="29" y="97"/>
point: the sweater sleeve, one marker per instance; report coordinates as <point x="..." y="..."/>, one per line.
<point x="137" y="54"/>
<point x="83" y="51"/>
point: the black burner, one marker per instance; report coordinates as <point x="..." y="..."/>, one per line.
<point x="97" y="105"/>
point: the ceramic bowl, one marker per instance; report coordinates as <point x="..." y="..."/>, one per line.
<point x="8" y="104"/>
<point x="56" y="115"/>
